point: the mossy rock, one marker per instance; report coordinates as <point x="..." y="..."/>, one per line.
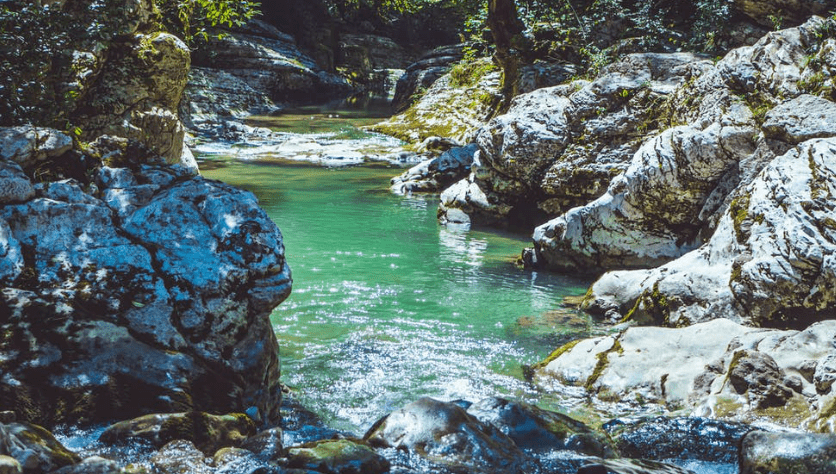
<point x="208" y="432"/>
<point x="337" y="457"/>
<point x="35" y="448"/>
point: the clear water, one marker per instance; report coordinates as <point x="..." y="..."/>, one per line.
<point x="387" y="305"/>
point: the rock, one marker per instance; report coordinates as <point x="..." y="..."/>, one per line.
<point x="208" y="432"/>
<point x="785" y="453"/>
<point x="758" y="375"/>
<point x="146" y="324"/>
<point x="766" y="264"/>
<point x="135" y="97"/>
<point x="559" y="147"/>
<point x="179" y="457"/>
<point x="800" y="119"/>
<point x="437" y="173"/>
<point x="446" y="435"/>
<point x="266" y="444"/>
<point x="653" y="207"/>
<point x="92" y="465"/>
<point x="420" y="75"/>
<point x="786" y="12"/>
<point x="241" y="461"/>
<point x="9" y="465"/>
<point x="825" y="373"/>
<point x="34" y="448"/>
<point x="663" y="438"/>
<point x="535" y="429"/>
<point x="14" y="185"/>
<point x="697" y="368"/>
<point x="27" y="145"/>
<point x="448" y="109"/>
<point x="249" y="70"/>
<point x="337" y="457"/>
<point x="366" y="52"/>
<point x="632" y="466"/>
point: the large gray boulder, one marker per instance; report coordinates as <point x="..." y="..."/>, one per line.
<point x="559" y="147"/>
<point x="148" y="291"/>
<point x="669" y="199"/>
<point x="768" y="263"/>
<point x="250" y="70"/>
<point x="715" y="369"/>
<point x="449" y="437"/>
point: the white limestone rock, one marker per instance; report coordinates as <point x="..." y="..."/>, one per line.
<point x="689" y="368"/>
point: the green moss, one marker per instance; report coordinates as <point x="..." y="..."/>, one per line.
<point x="467" y="73"/>
<point x="528" y="370"/>
<point x="739" y="209"/>
<point x="651" y="308"/>
<point x="601" y="365"/>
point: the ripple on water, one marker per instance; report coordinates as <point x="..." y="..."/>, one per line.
<point x="379" y="369"/>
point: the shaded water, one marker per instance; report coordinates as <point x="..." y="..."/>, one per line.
<point x="387" y="305"/>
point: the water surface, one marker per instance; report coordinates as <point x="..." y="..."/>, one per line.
<point x="387" y="305"/>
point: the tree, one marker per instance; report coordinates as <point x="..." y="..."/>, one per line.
<point x="507" y="30"/>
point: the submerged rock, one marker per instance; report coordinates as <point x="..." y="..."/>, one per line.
<point x="787" y="453"/>
<point x="337" y="457"/>
<point x="32" y="448"/>
<point x="537" y="430"/>
<point x="449" y="437"/>
<point x="663" y="438"/>
<point x="208" y="432"/>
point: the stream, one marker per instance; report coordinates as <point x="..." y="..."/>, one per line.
<point x="387" y="305"/>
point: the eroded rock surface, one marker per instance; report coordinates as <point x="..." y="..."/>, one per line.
<point x="146" y="291"/>
<point x="718" y="368"/>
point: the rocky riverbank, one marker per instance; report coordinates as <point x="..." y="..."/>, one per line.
<point x="699" y="192"/>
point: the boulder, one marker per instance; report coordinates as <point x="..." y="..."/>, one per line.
<point x="717" y="368"/>
<point x="337" y="457"/>
<point x="93" y="465"/>
<point x="537" y="430"/>
<point x="785" y="12"/>
<point x="266" y="444"/>
<point x="137" y="93"/>
<point x="631" y="466"/>
<point x="559" y="147"/>
<point x="446" y="435"/>
<point x="32" y="448"/>
<point x="27" y="145"/>
<point x="179" y="457"/>
<point x="208" y="432"/>
<point x="420" y="75"/>
<point x="436" y="173"/>
<point x="145" y="324"/>
<point x="448" y="109"/>
<point x="682" y="438"/>
<point x="9" y="465"/>
<point x="250" y="70"/>
<point x="785" y="453"/>
<point x="768" y="262"/>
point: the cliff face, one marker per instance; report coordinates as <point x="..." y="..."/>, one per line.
<point x="129" y="283"/>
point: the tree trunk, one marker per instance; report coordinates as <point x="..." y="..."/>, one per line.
<point x="506" y="28"/>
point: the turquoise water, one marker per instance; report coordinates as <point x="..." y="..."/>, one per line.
<point x="387" y="305"/>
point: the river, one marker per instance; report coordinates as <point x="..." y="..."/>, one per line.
<point x="388" y="305"/>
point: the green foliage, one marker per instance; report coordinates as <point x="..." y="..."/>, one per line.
<point x="192" y="20"/>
